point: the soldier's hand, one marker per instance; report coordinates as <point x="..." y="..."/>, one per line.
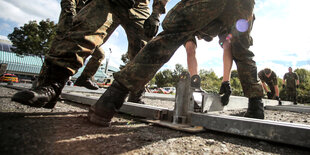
<point x="226" y="90"/>
<point x="125" y="3"/>
<point x="151" y="25"/>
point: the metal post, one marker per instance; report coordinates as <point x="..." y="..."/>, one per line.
<point x="107" y="62"/>
<point x="184" y="98"/>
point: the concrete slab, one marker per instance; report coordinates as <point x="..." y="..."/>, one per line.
<point x="292" y="108"/>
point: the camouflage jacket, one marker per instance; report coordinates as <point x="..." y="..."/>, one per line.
<point x="290" y="79"/>
<point x="272" y="80"/>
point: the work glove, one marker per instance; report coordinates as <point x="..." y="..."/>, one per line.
<point x="269" y="94"/>
<point x="125" y="3"/>
<point x="151" y="25"/>
<point x="226" y="91"/>
<point x="283" y="86"/>
<point x="278" y="98"/>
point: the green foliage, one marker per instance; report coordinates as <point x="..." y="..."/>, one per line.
<point x="33" y="38"/>
<point x="235" y="84"/>
<point x="179" y="69"/>
<point x="168" y="78"/>
<point x="209" y="81"/>
<point x="164" y="78"/>
<point x="304" y="87"/>
<point x="125" y="60"/>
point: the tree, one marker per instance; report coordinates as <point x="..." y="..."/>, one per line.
<point x="125" y="60"/>
<point x="179" y="69"/>
<point x="303" y="92"/>
<point x="235" y="83"/>
<point x="164" y="78"/>
<point x="33" y="38"/>
<point x="209" y="81"/>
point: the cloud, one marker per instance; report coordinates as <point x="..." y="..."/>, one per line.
<point x="22" y="11"/>
<point x="4" y="26"/>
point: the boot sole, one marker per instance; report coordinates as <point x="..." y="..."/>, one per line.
<point x="92" y="117"/>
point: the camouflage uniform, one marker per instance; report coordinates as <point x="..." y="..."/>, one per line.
<point x="195" y="18"/>
<point x="69" y="9"/>
<point x="92" y="27"/>
<point x="291" y="85"/>
<point x="271" y="81"/>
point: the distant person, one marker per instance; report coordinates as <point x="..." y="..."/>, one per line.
<point x="269" y="77"/>
<point x="291" y="82"/>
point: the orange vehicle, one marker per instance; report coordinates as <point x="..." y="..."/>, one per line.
<point x="8" y="78"/>
<point x="106" y="83"/>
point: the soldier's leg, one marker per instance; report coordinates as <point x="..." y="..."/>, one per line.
<point x="247" y="71"/>
<point x="92" y="27"/>
<point x="136" y="41"/>
<point x="294" y="96"/>
<point x="178" y="27"/>
<point x="90" y="70"/>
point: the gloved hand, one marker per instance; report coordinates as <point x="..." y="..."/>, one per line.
<point x="283" y="86"/>
<point x="278" y="98"/>
<point x="151" y="25"/>
<point x="125" y="3"/>
<point x="226" y="90"/>
<point x="297" y="86"/>
<point x="269" y="94"/>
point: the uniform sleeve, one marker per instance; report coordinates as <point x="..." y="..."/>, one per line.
<point x="260" y="76"/>
<point x="274" y="79"/>
<point x="159" y="6"/>
<point x="284" y="77"/>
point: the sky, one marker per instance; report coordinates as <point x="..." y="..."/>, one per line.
<point x="281" y="34"/>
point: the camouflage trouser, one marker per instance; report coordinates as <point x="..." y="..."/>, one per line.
<point x="291" y="94"/>
<point x="92" y="27"/>
<point x="184" y="21"/>
<point x="93" y="63"/>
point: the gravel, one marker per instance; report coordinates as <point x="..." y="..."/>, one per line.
<point x="66" y="130"/>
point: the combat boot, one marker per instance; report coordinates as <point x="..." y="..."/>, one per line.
<point x="53" y="80"/>
<point x="255" y="108"/>
<point x="86" y="82"/>
<point x="136" y="97"/>
<point x="108" y="104"/>
<point x="225" y="92"/>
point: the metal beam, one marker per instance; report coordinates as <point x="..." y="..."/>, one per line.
<point x="292" y="108"/>
<point x="282" y="132"/>
<point x="140" y="110"/>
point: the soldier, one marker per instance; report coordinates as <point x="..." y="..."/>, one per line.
<point x="267" y="76"/>
<point x="187" y="19"/>
<point x="291" y="80"/>
<point x="92" y="27"/>
<point x="69" y="9"/>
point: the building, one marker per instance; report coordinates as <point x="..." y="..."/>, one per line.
<point x="25" y="67"/>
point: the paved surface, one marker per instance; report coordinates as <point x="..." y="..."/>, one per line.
<point x="66" y="130"/>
